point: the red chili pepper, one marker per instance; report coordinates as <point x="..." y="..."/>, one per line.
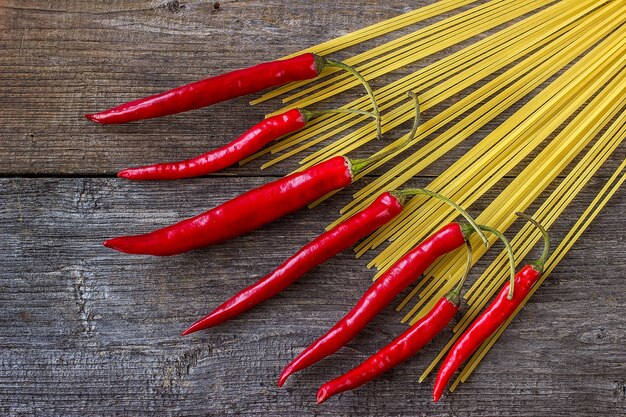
<point x="215" y="89"/>
<point x="403" y="347"/>
<point x="492" y="318"/>
<point x="245" y="145"/>
<point x="220" y="158"/>
<point x="242" y="214"/>
<point x="380" y="294"/>
<point x="224" y="87"/>
<point x="382" y="210"/>
<point x="250" y="210"/>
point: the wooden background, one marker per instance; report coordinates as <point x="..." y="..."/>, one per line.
<point x="86" y="331"/>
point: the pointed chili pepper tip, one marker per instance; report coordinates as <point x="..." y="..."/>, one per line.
<point x="283" y="377"/>
<point x="436" y="397"/>
<point x="203" y="323"/>
<point x="127" y="173"/>
<point x="188" y="331"/>
<point x="109" y="243"/>
<point x="94" y="117"/>
<point x="115" y="243"/>
<point x="323" y="394"/>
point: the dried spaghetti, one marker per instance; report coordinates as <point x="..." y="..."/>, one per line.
<point x="563" y="61"/>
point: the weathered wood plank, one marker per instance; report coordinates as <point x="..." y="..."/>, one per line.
<point x="63" y="59"/>
<point x="88" y="331"/>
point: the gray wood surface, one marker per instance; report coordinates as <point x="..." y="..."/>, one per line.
<point x="85" y="331"/>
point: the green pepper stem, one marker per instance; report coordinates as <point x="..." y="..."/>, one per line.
<point x="470" y="219"/>
<point x="539" y="263"/>
<point x="454" y="296"/>
<point x="312" y="114"/>
<point x="359" y="164"/>
<point x="368" y="88"/>
<point x="509" y="250"/>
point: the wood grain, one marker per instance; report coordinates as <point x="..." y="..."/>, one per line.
<point x="86" y="331"/>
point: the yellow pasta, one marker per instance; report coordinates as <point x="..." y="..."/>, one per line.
<point x="420" y="44"/>
<point x="558" y="71"/>
<point x="396" y="91"/>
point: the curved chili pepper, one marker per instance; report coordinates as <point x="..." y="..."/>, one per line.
<point x="382" y="210"/>
<point x="215" y="89"/>
<point x="404" y="346"/>
<point x="245" y="145"/>
<point x="380" y="294"/>
<point x="250" y="210"/>
<point x="242" y="214"/>
<point x="225" y="87"/>
<point x="492" y="318"/>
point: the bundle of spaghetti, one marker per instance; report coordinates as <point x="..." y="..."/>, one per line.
<point x="478" y="61"/>
<point x="490" y="281"/>
<point x="579" y="31"/>
<point x="592" y="211"/>
<point x="406" y="45"/>
<point x="324" y="123"/>
<point x="564" y="60"/>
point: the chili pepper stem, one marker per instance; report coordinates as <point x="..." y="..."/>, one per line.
<point x="467" y="230"/>
<point x="360" y="164"/>
<point x="312" y="114"/>
<point x="454" y="296"/>
<point x="509" y="250"/>
<point x="368" y="88"/>
<point x="539" y="263"/>
<point x="320" y="63"/>
<point x="470" y="219"/>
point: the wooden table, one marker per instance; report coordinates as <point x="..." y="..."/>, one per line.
<point x="87" y="331"/>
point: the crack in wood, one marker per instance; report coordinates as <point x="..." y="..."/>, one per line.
<point x="619" y="388"/>
<point x="85" y="314"/>
<point x="173" y="6"/>
<point x="177" y="370"/>
<point x="87" y="196"/>
<point x="16" y="190"/>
